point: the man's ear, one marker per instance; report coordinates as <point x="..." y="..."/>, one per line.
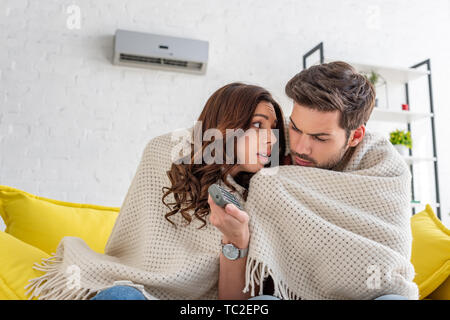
<point x="356" y="136"/>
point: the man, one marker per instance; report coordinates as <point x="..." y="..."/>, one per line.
<point x="331" y="106"/>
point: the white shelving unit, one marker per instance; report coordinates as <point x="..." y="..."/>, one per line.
<point x="379" y="114"/>
<point x="405" y="117"/>
<point x="389" y="73"/>
<point x="410" y="160"/>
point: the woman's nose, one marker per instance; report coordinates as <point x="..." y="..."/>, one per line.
<point x="273" y="136"/>
<point x="268" y="137"/>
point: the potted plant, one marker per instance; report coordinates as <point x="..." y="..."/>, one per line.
<point x="401" y="141"/>
<point x="373" y="77"/>
<point x="376" y="80"/>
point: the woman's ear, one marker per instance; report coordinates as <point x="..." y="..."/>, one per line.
<point x="357" y="136"/>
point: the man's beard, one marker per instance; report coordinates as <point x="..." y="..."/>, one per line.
<point x="330" y="163"/>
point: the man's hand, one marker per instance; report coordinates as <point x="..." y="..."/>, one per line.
<point x="232" y="222"/>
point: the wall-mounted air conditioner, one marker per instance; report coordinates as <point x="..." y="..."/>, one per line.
<point x="146" y="50"/>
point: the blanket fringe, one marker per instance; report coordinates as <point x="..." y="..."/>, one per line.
<point x="255" y="274"/>
<point x="53" y="285"/>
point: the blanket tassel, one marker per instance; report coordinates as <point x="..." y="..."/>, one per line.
<point x="256" y="272"/>
<point x="53" y="285"/>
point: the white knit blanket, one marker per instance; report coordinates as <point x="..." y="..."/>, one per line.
<point x="319" y="234"/>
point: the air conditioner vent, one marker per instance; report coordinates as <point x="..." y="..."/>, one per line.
<point x="130" y="57"/>
<point x="177" y="63"/>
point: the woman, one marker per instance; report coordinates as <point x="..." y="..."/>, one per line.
<point x="260" y="120"/>
<point x="234" y="106"/>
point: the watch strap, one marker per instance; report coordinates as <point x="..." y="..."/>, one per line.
<point x="243" y="252"/>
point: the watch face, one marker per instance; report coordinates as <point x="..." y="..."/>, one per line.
<point x="230" y="251"/>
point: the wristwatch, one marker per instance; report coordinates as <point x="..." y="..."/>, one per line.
<point x="231" y="252"/>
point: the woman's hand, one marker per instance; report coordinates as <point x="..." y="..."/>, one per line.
<point x="232" y="222"/>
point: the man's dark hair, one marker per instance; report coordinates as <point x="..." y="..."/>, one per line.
<point x="334" y="86"/>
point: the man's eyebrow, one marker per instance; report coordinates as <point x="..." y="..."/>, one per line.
<point x="310" y="134"/>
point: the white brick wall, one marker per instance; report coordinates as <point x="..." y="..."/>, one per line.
<point x="73" y="126"/>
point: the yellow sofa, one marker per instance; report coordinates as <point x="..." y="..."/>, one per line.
<point x="35" y="226"/>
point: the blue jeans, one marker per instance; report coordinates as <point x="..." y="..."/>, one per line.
<point x="120" y="293"/>
<point x="385" y="297"/>
<point x="131" y="293"/>
<point x="391" y="297"/>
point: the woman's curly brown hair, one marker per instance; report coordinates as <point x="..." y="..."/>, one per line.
<point x="230" y="107"/>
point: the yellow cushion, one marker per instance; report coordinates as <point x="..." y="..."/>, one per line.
<point x="442" y="292"/>
<point x="43" y="222"/>
<point x="17" y="259"/>
<point x="430" y="251"/>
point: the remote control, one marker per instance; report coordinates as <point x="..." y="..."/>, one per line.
<point x="222" y="197"/>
